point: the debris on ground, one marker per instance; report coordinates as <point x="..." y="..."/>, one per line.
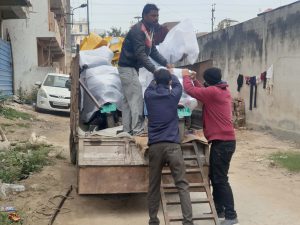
<point x="5" y="189"/>
<point x="4" y="143"/>
<point x="14" y="217"/>
<point x="34" y="139"/>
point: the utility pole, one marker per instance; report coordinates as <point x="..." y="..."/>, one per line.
<point x="213" y="9"/>
<point x="88" y="16"/>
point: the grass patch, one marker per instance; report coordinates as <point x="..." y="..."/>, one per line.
<point x="22" y="160"/>
<point x="4" y="125"/>
<point x="24" y="125"/>
<point x="288" y="160"/>
<point x="12" y="114"/>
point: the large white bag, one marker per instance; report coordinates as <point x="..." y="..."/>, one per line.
<point x="181" y="40"/>
<point x="146" y="77"/>
<point x="95" y="57"/>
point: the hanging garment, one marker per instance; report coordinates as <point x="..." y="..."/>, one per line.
<point x="247" y="79"/>
<point x="269" y="76"/>
<point x="240" y="81"/>
<point x="253" y="87"/>
<point x="264" y="79"/>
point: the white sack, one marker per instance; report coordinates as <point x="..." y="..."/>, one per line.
<point x="146" y="77"/>
<point x="95" y="57"/>
<point x="180" y="40"/>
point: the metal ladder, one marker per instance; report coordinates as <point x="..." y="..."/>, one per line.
<point x="198" y="186"/>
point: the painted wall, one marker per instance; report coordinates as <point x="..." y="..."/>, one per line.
<point x="250" y="48"/>
<point x="23" y="35"/>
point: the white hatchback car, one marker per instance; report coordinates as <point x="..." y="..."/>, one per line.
<point x="54" y="93"/>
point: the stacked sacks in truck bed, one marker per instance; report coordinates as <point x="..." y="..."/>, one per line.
<point x="102" y="80"/>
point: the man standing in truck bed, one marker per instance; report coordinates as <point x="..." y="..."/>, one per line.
<point x="137" y="47"/>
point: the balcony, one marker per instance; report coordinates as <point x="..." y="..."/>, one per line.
<point x="58" y="6"/>
<point x="14" y="9"/>
<point x="54" y="41"/>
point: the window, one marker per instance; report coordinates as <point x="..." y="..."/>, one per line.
<point x="80" y="28"/>
<point x="55" y="81"/>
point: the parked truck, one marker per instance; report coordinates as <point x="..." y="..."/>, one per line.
<point x="108" y="165"/>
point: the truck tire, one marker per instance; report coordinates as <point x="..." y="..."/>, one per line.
<point x="73" y="150"/>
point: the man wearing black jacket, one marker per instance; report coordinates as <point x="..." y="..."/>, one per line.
<point x="138" y="46"/>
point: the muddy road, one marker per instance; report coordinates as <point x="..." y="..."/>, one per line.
<point x="264" y="194"/>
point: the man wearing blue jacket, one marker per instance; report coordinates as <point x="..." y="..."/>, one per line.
<point x="162" y="97"/>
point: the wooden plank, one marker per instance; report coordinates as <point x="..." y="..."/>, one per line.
<point x="114" y="152"/>
<point x="200" y="201"/>
<point x="198" y="217"/>
<point x="191" y="185"/>
<point x="113" y="180"/>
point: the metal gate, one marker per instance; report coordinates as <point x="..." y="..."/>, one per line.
<point x="6" y="71"/>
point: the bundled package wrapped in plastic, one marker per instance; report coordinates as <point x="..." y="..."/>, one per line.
<point x="181" y="41"/>
<point x="146" y="77"/>
<point x="102" y="80"/>
<point x="96" y="57"/>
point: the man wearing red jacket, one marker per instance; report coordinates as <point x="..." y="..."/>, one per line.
<point x="218" y="130"/>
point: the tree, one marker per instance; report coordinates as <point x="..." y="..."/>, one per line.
<point x="116" y="32"/>
<point x="225" y="23"/>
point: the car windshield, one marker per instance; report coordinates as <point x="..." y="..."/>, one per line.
<point x="55" y="81"/>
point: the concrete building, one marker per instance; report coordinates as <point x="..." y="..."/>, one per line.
<point x="79" y="32"/>
<point x="251" y="48"/>
<point x="40" y="43"/>
<point x="9" y="9"/>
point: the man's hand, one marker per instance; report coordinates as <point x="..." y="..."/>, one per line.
<point x="190" y="73"/>
<point x="193" y="75"/>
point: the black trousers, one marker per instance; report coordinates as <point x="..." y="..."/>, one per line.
<point x="220" y="157"/>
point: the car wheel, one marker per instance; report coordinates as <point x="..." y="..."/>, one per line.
<point x="73" y="149"/>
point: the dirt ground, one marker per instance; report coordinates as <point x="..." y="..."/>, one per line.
<point x="264" y="194"/>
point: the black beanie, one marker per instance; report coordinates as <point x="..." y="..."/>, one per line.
<point x="212" y="76"/>
<point x="162" y="76"/>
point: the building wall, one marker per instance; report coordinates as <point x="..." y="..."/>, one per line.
<point x="79" y="32"/>
<point x="23" y="35"/>
<point x="250" y="48"/>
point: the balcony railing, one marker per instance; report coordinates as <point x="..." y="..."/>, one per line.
<point x="53" y="27"/>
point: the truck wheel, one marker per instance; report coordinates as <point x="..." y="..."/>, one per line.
<point x="73" y="150"/>
<point x="110" y="120"/>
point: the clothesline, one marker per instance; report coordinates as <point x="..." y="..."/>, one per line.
<point x="265" y="77"/>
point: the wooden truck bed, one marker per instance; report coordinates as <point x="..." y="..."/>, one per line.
<point x="110" y="165"/>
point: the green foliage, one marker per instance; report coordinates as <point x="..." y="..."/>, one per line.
<point x="116" y="32"/>
<point x="12" y="114"/>
<point x="27" y="97"/>
<point x="288" y="160"/>
<point x="21" y="160"/>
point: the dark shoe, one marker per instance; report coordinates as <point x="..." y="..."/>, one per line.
<point x="230" y="222"/>
<point x="221" y="215"/>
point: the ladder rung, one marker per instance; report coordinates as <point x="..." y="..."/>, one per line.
<point x="199" y="217"/>
<point x="191" y="185"/>
<point x="204" y="200"/>
<point x="190" y="157"/>
<point x="187" y="171"/>
<point x="187" y="145"/>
